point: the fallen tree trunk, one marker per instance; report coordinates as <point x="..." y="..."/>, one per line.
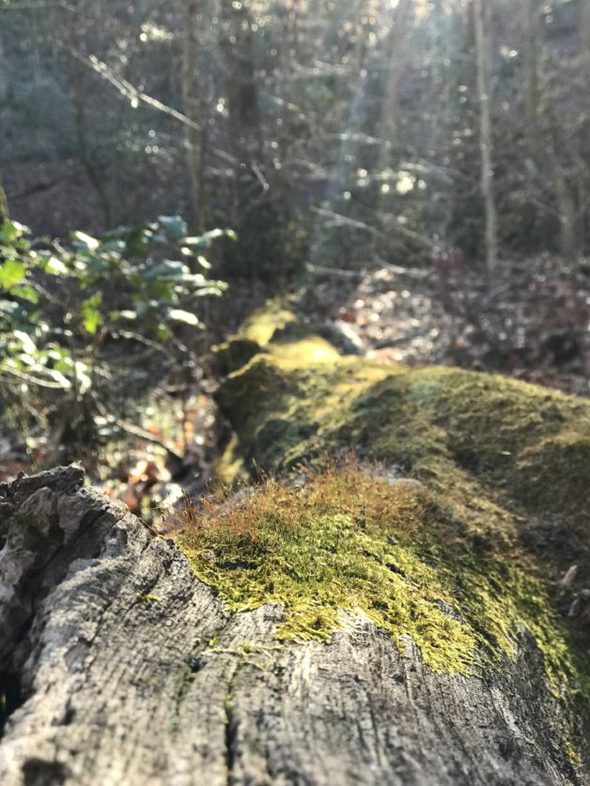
<point x="119" y="666"/>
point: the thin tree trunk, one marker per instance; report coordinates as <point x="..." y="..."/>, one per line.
<point x="568" y="211"/>
<point x="396" y="53"/>
<point x="245" y="126"/>
<point x="91" y="170"/>
<point x="530" y="68"/>
<point x="242" y="85"/>
<point x="80" y="97"/>
<point x="3" y="203"/>
<point x="194" y="104"/>
<point x="484" y="88"/>
<point x="584" y="169"/>
<point x="396" y="56"/>
<point x="585" y="33"/>
<point x="541" y="150"/>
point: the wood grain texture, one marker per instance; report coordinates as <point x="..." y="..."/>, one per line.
<point x="119" y="667"/>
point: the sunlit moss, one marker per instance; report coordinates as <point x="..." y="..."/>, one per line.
<point x="349" y="541"/>
<point x="496" y="447"/>
<point x="230" y="468"/>
<point x="282" y="404"/>
<point x="312" y="350"/>
<point x="445" y="546"/>
<point x="262" y="324"/>
<point x="448" y="547"/>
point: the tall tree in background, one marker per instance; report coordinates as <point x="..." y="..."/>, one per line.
<point x="543" y="149"/>
<point x="585" y="35"/>
<point x="3" y="203"/>
<point x="484" y="88"/>
<point x="76" y="42"/>
<point x="585" y="141"/>
<point x="241" y="88"/>
<point x="195" y="106"/>
<point x="396" y="55"/>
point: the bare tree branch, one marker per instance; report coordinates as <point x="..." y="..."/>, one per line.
<point x="129" y="91"/>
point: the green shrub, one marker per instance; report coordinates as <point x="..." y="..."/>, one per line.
<point x="64" y="307"/>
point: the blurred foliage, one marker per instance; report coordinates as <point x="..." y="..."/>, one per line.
<point x="63" y="308"/>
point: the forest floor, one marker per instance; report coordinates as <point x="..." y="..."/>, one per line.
<point x="533" y="324"/>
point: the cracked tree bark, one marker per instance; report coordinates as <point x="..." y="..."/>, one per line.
<point x="119" y="667"/>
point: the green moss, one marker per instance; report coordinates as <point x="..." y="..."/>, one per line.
<point x="463" y="560"/>
<point x="350" y="542"/>
<point x="262" y="324"/>
<point x="149" y="598"/>
<point x="313" y="349"/>
<point x="230" y="468"/>
<point x="503" y="455"/>
<point x="233" y="354"/>
<point x="494" y="448"/>
<point x="306" y="384"/>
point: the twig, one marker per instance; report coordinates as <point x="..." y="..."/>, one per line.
<point x="135" y="96"/>
<point x="36" y="6"/>
<point x="130" y="335"/>
<point x="332" y="271"/>
<point x="140" y="433"/>
<point x="340" y="220"/>
<point x="129" y="91"/>
<point x="32" y="380"/>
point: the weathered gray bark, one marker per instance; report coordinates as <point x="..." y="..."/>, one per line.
<point x="119" y="667"/>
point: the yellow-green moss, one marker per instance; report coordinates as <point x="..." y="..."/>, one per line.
<point x="349" y="541"/>
<point x="315" y="350"/>
<point x="262" y="324"/>
<point x="462" y="560"/>
<point x="500" y="461"/>
<point x="230" y="468"/>
<point x="524" y="439"/>
<point x="494" y="447"/>
<point x="282" y="403"/>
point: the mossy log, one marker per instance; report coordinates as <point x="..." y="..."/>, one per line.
<point x="408" y="614"/>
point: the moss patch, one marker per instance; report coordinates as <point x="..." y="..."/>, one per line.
<point x="262" y="324"/>
<point x="494" y="449"/>
<point x="349" y="541"/>
<point x="313" y="391"/>
<point x="526" y="440"/>
<point x="463" y="558"/>
<point x="505" y="465"/>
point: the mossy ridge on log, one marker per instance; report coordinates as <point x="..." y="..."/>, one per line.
<point x="495" y="448"/>
<point x="497" y="458"/>
<point x="528" y="441"/>
<point x="348" y="540"/>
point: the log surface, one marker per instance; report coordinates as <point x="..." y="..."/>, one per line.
<point x="119" y="668"/>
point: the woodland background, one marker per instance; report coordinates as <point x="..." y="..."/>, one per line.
<point x="326" y="131"/>
<point x="418" y="172"/>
